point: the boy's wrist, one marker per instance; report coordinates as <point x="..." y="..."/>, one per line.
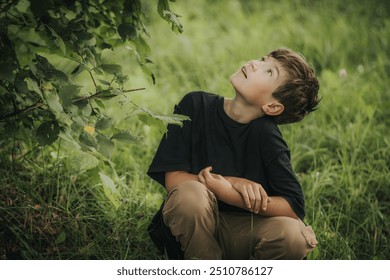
<point x="230" y="179"/>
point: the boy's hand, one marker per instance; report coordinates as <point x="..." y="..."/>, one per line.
<point x="211" y="180"/>
<point x="253" y="193"/>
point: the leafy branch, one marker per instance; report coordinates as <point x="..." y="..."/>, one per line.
<point x="105" y="94"/>
<point x="38" y="40"/>
<point x="22" y="111"/>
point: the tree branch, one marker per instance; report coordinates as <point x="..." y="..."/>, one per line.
<point x="96" y="95"/>
<point x="21" y="111"/>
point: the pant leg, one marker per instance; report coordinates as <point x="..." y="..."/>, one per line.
<point x="191" y="213"/>
<point x="245" y="235"/>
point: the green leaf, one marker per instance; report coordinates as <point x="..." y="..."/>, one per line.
<point x="104" y="82"/>
<point x="40" y="8"/>
<point x="121" y="79"/>
<point x="60" y="76"/>
<point x="107" y="94"/>
<point x="99" y="103"/>
<point x="68" y="93"/>
<point x="60" y="43"/>
<point x="106" y="146"/>
<point x="127" y="31"/>
<point x="44" y="68"/>
<point x="57" y="40"/>
<point x="7" y="71"/>
<point x="20" y="83"/>
<point x="103" y="123"/>
<point x="143" y="48"/>
<point x="86" y="111"/>
<point x="80" y="103"/>
<point x="148" y="72"/>
<point x="162" y="6"/>
<point x="150" y="121"/>
<point x="89" y="56"/>
<point x="160" y="121"/>
<point x="166" y="13"/>
<point x="111" y="68"/>
<point x="110" y="190"/>
<point x="11" y="129"/>
<point x="78" y="69"/>
<point x="33" y="86"/>
<point x="69" y="143"/>
<point x="84" y="35"/>
<point x="174" y="19"/>
<point x="167" y="119"/>
<point x="125" y="136"/>
<point x="107" y="55"/>
<point x="52" y="98"/>
<point x="47" y="133"/>
<point x="108" y="182"/>
<point x="88" y="140"/>
<point x="61" y="238"/>
<point x="83" y="161"/>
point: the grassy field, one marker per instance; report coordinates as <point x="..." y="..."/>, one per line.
<point x="340" y="153"/>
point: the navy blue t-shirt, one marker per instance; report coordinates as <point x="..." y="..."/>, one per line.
<point x="255" y="150"/>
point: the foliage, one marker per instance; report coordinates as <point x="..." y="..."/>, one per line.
<point x="340" y="153"/>
<point x="41" y="101"/>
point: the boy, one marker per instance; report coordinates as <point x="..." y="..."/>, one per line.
<point x="232" y="193"/>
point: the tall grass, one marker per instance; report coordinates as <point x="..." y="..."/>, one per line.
<point x="340" y="153"/>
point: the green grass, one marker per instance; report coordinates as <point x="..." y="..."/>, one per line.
<point x="340" y="153"/>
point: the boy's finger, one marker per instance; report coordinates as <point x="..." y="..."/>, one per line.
<point x="245" y="195"/>
<point x="206" y="173"/>
<point x="206" y="170"/>
<point x="264" y="199"/>
<point x="258" y="200"/>
<point x="252" y="197"/>
<point x="201" y="178"/>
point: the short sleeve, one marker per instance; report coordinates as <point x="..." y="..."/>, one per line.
<point x="283" y="182"/>
<point x="173" y="152"/>
<point x="279" y="173"/>
<point x="272" y="143"/>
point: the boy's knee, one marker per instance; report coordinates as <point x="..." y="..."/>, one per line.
<point x="190" y="208"/>
<point x="290" y="239"/>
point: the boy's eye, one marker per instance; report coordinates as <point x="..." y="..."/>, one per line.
<point x="262" y="59"/>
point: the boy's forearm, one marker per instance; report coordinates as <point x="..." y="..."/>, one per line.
<point x="277" y="205"/>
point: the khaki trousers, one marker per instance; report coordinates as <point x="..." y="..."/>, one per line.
<point x="191" y="213"/>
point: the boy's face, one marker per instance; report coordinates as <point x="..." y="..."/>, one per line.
<point x="257" y="79"/>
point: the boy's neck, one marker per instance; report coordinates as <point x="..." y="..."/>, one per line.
<point x="240" y="111"/>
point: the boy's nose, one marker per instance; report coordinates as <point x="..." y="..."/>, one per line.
<point x="254" y="64"/>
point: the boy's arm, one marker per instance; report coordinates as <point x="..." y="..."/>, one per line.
<point x="174" y="178"/>
<point x="259" y="203"/>
<point x="224" y="191"/>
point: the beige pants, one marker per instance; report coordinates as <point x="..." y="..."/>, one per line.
<point x="191" y="212"/>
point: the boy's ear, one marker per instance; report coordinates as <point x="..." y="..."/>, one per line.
<point x="273" y="108"/>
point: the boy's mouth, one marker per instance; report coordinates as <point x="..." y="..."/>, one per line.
<point x="243" y="70"/>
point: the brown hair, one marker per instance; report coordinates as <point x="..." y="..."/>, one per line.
<point x="299" y="94"/>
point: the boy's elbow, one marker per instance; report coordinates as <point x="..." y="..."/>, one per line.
<point x="174" y="178"/>
<point x="169" y="178"/>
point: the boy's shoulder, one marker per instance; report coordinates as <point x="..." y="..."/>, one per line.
<point x="267" y="128"/>
<point x="266" y="122"/>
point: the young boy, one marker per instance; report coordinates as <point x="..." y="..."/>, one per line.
<point x="232" y="193"/>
